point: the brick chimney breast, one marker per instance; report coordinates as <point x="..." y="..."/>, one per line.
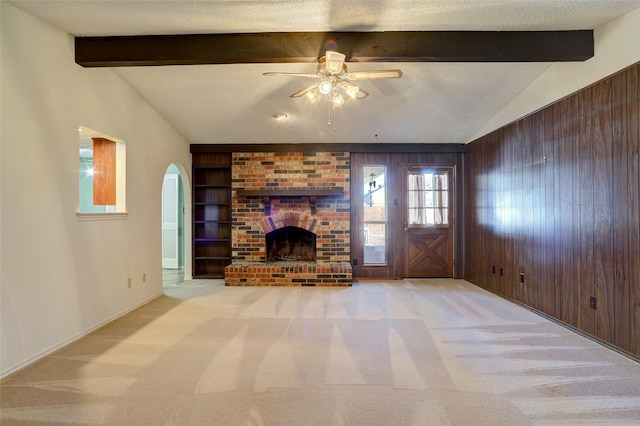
<point x="269" y="171"/>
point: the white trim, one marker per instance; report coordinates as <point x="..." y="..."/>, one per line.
<point x="74" y="338"/>
<point x="101" y="216"/>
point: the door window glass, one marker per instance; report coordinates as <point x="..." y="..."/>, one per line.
<point x="428" y="199"/>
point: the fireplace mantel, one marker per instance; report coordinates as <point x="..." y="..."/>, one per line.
<point x="310" y="193"/>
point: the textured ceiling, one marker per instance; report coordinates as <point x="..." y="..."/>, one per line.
<point x="432" y="102"/>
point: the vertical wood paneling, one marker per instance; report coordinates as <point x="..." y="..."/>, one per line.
<point x="500" y="225"/>
<point x="534" y="279"/>
<point x="511" y="250"/>
<point x="471" y="221"/>
<point x="603" y="214"/>
<point x="558" y="290"/>
<point x="395" y="211"/>
<point x="505" y="195"/>
<point x="548" y="283"/>
<point x="482" y="212"/>
<point x="471" y="263"/>
<point x="528" y="225"/>
<point x="556" y="195"/>
<point x="586" y="320"/>
<point x="566" y="211"/>
<point x="495" y="247"/>
<point x="621" y="308"/>
<point x="633" y="110"/>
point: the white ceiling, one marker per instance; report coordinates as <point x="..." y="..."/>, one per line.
<point x="432" y="102"/>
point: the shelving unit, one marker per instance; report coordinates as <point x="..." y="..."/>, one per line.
<point x="211" y="214"/>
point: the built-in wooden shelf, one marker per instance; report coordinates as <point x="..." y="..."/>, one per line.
<point x="311" y="194"/>
<point x="211" y="234"/>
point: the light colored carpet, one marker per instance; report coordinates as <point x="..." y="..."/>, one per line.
<point x="414" y="352"/>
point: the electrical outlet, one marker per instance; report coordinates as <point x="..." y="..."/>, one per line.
<point x="144" y="277"/>
<point x="129" y="283"/>
<point x="522" y="277"/>
<point x="592" y="302"/>
<point x="355" y="262"/>
<point x="501" y="272"/>
<point x="493" y="269"/>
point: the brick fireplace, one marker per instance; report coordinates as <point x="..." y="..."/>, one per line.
<point x="305" y="192"/>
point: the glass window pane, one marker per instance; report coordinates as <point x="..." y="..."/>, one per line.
<point x="375" y="213"/>
<point x="374" y="237"/>
<point x="428" y="181"/>
<point x="428" y="199"/>
<point x="375" y="244"/>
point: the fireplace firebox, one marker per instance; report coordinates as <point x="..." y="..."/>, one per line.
<point x="290" y="244"/>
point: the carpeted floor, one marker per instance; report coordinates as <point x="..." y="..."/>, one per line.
<point x="414" y="352"/>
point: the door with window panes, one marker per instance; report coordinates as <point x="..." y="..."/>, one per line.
<point x="428" y="222"/>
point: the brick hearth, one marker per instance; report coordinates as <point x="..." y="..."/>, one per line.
<point x="328" y="217"/>
<point x="287" y="274"/>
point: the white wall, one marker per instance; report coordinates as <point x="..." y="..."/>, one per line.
<point x="61" y="277"/>
<point x="617" y="46"/>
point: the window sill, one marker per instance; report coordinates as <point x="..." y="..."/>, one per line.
<point x="101" y="216"/>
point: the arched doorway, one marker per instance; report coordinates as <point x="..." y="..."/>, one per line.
<point x="176" y="227"/>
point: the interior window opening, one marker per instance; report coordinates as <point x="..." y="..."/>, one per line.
<point x="102" y="166"/>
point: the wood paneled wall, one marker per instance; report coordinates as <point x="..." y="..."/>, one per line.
<point x="555" y="196"/>
<point x="395" y="211"/>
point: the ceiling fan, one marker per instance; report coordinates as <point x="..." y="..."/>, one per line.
<point x="335" y="79"/>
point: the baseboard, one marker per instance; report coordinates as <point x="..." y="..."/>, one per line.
<point x="38" y="357"/>
<point x="569" y="327"/>
<point x="576" y="330"/>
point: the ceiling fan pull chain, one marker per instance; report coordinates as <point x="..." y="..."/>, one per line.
<point x="332" y="108"/>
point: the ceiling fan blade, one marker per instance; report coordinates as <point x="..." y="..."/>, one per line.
<point x="334" y="61"/>
<point x="303" y="91"/>
<point x="290" y="74"/>
<point x="361" y="94"/>
<point x="374" y="75"/>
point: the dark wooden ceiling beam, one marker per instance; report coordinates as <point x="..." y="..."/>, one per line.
<point x="331" y="147"/>
<point x="390" y="46"/>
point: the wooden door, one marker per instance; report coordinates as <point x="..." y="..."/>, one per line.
<point x="428" y="231"/>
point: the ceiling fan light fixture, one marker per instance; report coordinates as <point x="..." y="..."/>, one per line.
<point x="312" y="95"/>
<point x="334" y="61"/>
<point x="338" y="99"/>
<point x="351" y="90"/>
<point x="325" y="87"/>
<point x="333" y="78"/>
